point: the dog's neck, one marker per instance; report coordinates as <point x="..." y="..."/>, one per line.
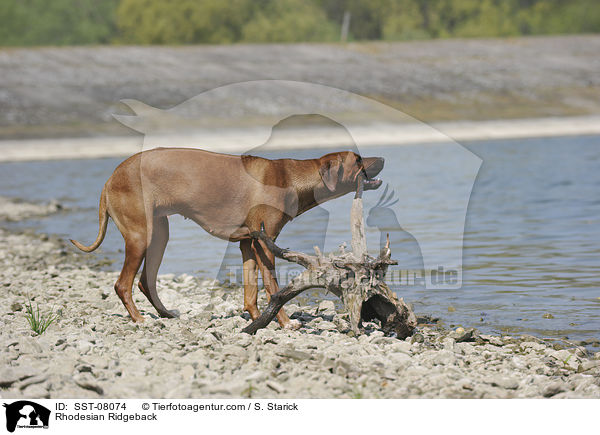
<point x="311" y="190"/>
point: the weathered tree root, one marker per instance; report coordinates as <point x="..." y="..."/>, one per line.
<point x="355" y="277"/>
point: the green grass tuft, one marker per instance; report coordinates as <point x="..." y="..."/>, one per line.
<point x="38" y="321"/>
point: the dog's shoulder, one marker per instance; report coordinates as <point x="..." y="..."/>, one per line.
<point x="267" y="171"/>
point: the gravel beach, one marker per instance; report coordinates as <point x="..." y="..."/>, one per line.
<point x="94" y="350"/>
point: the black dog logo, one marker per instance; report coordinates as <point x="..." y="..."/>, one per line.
<point x="24" y="413"/>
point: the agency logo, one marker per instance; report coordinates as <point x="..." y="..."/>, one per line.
<point x="423" y="208"/>
<point x="25" y="414"/>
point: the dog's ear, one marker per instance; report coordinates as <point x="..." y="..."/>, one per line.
<point x="330" y="173"/>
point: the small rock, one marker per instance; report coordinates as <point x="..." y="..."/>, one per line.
<point x="84" y="347"/>
<point x="234" y="388"/>
<point x="244" y="340"/>
<point x="341" y="324"/>
<point x="505" y="382"/>
<point x="466" y="384"/>
<point x="30" y="346"/>
<point x="400" y="360"/>
<point x="234" y="350"/>
<point x="465" y="348"/>
<point x="326" y="326"/>
<point x="10" y="375"/>
<point x="84" y="368"/>
<point x="581" y="352"/>
<point x="378" y="339"/>
<point x="401" y="346"/>
<point x="567" y="358"/>
<point x="460" y="334"/>
<point x="187" y="372"/>
<point x="294" y="354"/>
<point x="448" y="343"/>
<point x="496" y="341"/>
<point x="588" y="365"/>
<point x="36" y="391"/>
<point x="275" y="386"/>
<point x="445" y="357"/>
<point x="532" y="345"/>
<point x="327" y="307"/>
<point x="257" y="376"/>
<point x="553" y="389"/>
<point x="87" y="382"/>
<point x="15" y="306"/>
<point x="417" y="338"/>
<point x="179" y="392"/>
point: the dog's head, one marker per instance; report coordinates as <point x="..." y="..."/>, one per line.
<point x="341" y="171"/>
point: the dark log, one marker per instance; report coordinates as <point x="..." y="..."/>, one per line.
<point x="277" y="301"/>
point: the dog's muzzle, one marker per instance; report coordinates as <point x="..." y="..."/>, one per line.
<point x="372" y="166"/>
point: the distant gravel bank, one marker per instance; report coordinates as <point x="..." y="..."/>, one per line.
<point x="65" y="92"/>
<point x="94" y="351"/>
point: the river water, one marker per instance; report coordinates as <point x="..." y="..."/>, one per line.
<point x="531" y="246"/>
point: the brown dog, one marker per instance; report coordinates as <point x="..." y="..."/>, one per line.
<point x="229" y="196"/>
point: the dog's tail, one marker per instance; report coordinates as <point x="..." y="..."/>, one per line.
<point x="103" y="218"/>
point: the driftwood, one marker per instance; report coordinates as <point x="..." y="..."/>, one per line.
<point x="355" y="277"/>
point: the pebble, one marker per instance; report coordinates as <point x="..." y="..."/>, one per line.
<point x="327" y="307"/>
<point x="496" y="341"/>
<point x="36" y="391"/>
<point x="275" y="386"/>
<point x="506" y="382"/>
<point x="552" y="389"/>
<point x="10" y="375"/>
<point x="417" y="338"/>
<point x="187" y="372"/>
<point x="294" y="354"/>
<point x="401" y="346"/>
<point x="532" y="345"/>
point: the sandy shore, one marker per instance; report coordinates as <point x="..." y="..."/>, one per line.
<point x="370" y="135"/>
<point x="94" y="351"/>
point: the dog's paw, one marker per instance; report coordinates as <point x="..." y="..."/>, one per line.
<point x="293" y="325"/>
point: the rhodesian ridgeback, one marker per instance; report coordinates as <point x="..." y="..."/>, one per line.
<point x="229" y="196"/>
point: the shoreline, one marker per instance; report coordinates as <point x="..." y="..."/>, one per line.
<point x="94" y="350"/>
<point x="370" y="135"/>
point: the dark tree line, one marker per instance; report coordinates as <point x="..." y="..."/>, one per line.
<point x="73" y="22"/>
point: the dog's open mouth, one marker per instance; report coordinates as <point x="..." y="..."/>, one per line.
<point x="372" y="167"/>
<point x="372" y="183"/>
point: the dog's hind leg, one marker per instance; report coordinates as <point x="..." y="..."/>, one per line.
<point x="154" y="256"/>
<point x="135" y="248"/>
<point x="250" y="278"/>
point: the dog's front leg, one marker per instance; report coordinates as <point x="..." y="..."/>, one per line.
<point x="266" y="264"/>
<point x="250" y="278"/>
